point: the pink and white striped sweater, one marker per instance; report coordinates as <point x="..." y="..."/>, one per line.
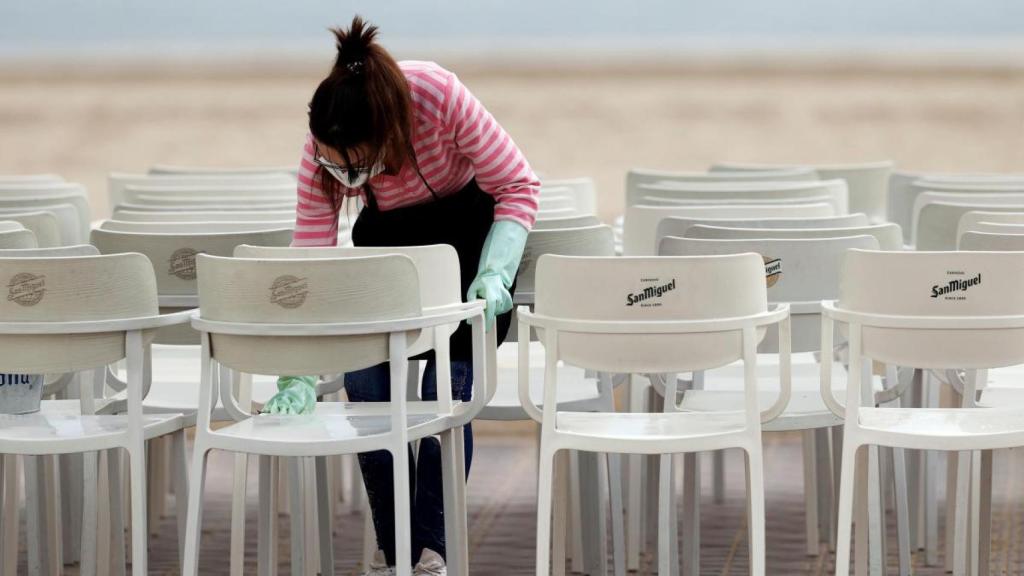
<point x="455" y="139"/>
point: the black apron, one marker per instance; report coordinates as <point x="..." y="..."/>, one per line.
<point x="462" y="220"/>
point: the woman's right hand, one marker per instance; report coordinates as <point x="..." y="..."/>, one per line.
<point x="296" y="395"/>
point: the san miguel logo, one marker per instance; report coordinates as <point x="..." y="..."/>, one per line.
<point x="289" y="291"/>
<point x="950" y="290"/>
<point x="183" y="264"/>
<point x="26" y="289"/>
<point x="648" y="296"/>
<point x="772" y="270"/>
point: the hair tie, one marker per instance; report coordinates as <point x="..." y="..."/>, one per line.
<point x="355" y="68"/>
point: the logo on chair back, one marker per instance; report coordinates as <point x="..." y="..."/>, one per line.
<point x="950" y="290"/>
<point x="772" y="270"/>
<point x="183" y="263"/>
<point x="26" y="289"/>
<point x="289" y="291"/>
<point x="649" y="295"/>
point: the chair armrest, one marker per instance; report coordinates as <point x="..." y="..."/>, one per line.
<point x="98" y="326"/>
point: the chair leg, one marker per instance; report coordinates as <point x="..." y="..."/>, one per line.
<point x="755" y="510"/>
<point x="962" y="525"/>
<point x="876" y="512"/>
<point x="115" y="483"/>
<point x="456" y="537"/>
<point x="369" y="535"/>
<point x="140" y="528"/>
<point x="844" y="525"/>
<point x="33" y="516"/>
<point x="310" y="514"/>
<point x="901" y="501"/>
<point x="87" y="560"/>
<point x="575" y="513"/>
<point x="985" y="514"/>
<point x="238" y="493"/>
<point x="634" y="485"/>
<point x="10" y="520"/>
<point x="810" y="492"/>
<point x="266" y="515"/>
<point x="826" y="492"/>
<point x="295" y="484"/>
<point x="561" y="511"/>
<point x="195" y="509"/>
<point x="614" y="464"/>
<point x="691" y="513"/>
<point x="179" y="465"/>
<point x="545" y="483"/>
<point x="861" y="522"/>
<point x="324" y="519"/>
<point x="71" y="481"/>
<point x="666" y="502"/>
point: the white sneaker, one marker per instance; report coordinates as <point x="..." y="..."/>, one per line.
<point x="430" y="564"/>
<point x="379" y="566"/>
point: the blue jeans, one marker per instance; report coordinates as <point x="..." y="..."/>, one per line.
<point x="427" y="495"/>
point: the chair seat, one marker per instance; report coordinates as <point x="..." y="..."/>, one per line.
<point x="576" y="392"/>
<point x="805" y="410"/>
<point x="805" y="371"/>
<point x="321" y="432"/>
<point x="653" y="427"/>
<point x="59" y="428"/>
<point x="1008" y="377"/>
<point x="1001" y="397"/>
<point x="944" y="428"/>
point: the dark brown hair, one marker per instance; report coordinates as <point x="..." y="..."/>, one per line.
<point x="364" y="101"/>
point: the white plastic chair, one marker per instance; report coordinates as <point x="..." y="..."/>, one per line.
<point x="937" y="215"/>
<point x="636" y="177"/>
<point x="868" y="182"/>
<point x="203" y="216"/>
<point x="186" y="170"/>
<point x="678" y="225"/>
<point x="992" y="241"/>
<point x="44" y="226"/>
<point x="117" y="181"/>
<point x="799" y="272"/>
<point x="208" y="227"/>
<point x="582" y="191"/>
<point x="29" y="178"/>
<point x="17" y="239"/>
<point x="834" y="190"/>
<point x="649" y="316"/>
<point x="566" y="222"/>
<point x="270" y="192"/>
<point x="48" y="197"/>
<point x="905" y="186"/>
<point x="640" y="227"/>
<point x="888" y="235"/>
<point x="77" y="315"/>
<point x="969" y="221"/>
<point x="934" y="315"/>
<point x="330" y="316"/>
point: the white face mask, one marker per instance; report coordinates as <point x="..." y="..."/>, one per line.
<point x="354" y="178"/>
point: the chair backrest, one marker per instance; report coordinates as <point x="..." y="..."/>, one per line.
<point x="796" y="270"/>
<point x="972" y="218"/>
<point x="888" y="236"/>
<point x="68" y="289"/>
<point x="902" y="194"/>
<point x="17" y="239"/>
<point x="868" y="182"/>
<point x="937" y="215"/>
<point x="10" y="226"/>
<point x="566" y="222"/>
<point x="650" y="289"/>
<point x="640" y="227"/>
<point x="637" y="177"/>
<point x="582" y="190"/>
<point x="992" y="227"/>
<point x="991" y="242"/>
<point x="936" y="284"/>
<point x="174" y="255"/>
<point x="56" y="252"/>
<point x="438" y="265"/>
<point x="183" y="170"/>
<point x="29" y="178"/>
<point x="677" y="225"/>
<point x="117" y="181"/>
<point x="43" y="224"/>
<point x="203" y="216"/>
<point x="46" y="197"/>
<point x="266" y="192"/>
<point x="548" y="203"/>
<point x="305" y="292"/>
<point x="193" y="227"/>
<point x="585" y="241"/>
<point x="835" y="190"/>
<point x="151" y="204"/>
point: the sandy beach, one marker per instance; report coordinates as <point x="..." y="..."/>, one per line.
<point x="84" y="123"/>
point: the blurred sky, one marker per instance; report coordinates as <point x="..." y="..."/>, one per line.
<point x="143" y="28"/>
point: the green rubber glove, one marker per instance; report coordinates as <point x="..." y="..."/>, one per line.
<point x="295" y="395"/>
<point x="499" y="261"/>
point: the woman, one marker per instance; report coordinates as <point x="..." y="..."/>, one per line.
<point x="432" y="167"/>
